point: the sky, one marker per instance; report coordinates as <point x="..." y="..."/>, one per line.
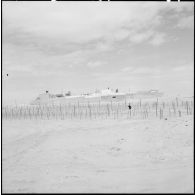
<point x="84" y="46"/>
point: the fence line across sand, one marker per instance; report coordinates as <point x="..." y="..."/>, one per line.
<point x="102" y="110"/>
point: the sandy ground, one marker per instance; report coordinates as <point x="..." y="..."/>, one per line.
<point x="98" y="156"/>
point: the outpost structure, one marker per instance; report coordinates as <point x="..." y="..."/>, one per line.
<point x="105" y="95"/>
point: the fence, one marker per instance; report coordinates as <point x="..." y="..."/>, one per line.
<point x="101" y="110"/>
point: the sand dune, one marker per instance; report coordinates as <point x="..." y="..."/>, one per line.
<point x="98" y="156"/>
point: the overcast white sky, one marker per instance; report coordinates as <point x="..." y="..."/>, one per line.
<point x="83" y="46"/>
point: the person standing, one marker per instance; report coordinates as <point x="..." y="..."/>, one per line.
<point x="129" y="106"/>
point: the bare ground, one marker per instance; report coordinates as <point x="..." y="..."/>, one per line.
<point x="98" y="156"/>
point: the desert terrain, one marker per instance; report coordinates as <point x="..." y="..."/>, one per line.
<point x="97" y="156"/>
